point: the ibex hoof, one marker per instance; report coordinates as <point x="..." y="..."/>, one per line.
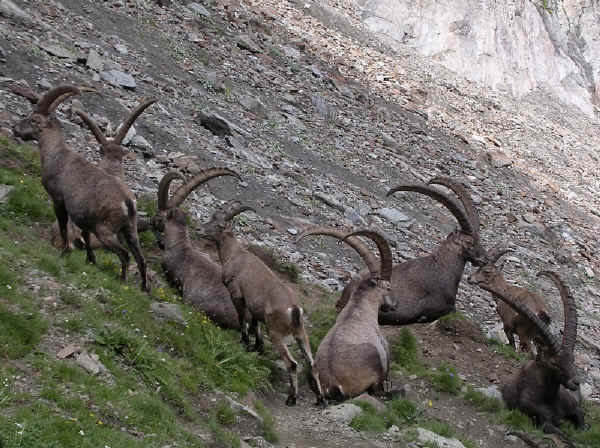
<point x="321" y="402"/>
<point x="291" y="400"/>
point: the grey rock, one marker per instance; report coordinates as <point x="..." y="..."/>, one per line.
<point x="242" y="152"/>
<point x="3" y="54"/>
<point x="168" y="311"/>
<point x="529" y="217"/>
<point x="393" y="215"/>
<point x="587" y="390"/>
<point x="425" y="436"/>
<point x="498" y="159"/>
<point x="491" y="392"/>
<point x="12" y="11"/>
<point x="371" y="400"/>
<point x="45" y="84"/>
<point x="121" y="48"/>
<point x="4" y="192"/>
<point x="316" y="72"/>
<point x="95" y="61"/>
<point x="89" y="362"/>
<point x="246" y="43"/>
<point x="140" y="142"/>
<point x="291" y="52"/>
<point x="342" y="413"/>
<point x="199" y="9"/>
<point x="118" y="79"/>
<point x="254" y="105"/>
<point x="389" y="141"/>
<point x="58" y="51"/>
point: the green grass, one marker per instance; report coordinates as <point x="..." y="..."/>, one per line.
<point x="445" y="379"/>
<point x="506" y="350"/>
<point x="271" y="258"/>
<point x="405" y="353"/>
<point x="19" y="332"/>
<point x="399" y="412"/>
<point x="268" y="425"/>
<point x="322" y="319"/>
<point x="481" y="401"/>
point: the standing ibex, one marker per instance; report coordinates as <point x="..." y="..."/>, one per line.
<point x="547" y="388"/>
<point x="111" y="161"/>
<point x="489" y="277"/>
<point x="424" y="289"/>
<point x="354" y="355"/>
<point x="197" y="276"/>
<point x="257" y="292"/>
<point x="94" y="200"/>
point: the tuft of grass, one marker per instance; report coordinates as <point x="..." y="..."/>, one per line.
<point x="446" y="379"/>
<point x="405" y="353"/>
<point x="439" y="427"/>
<point x="322" y="319"/>
<point x="506" y="350"/>
<point x="147" y="203"/>
<point x="223" y="437"/>
<point x="268" y="423"/>
<point x="225" y="414"/>
<point x="482" y="402"/>
<point x="399" y="412"/>
<point x="19" y="332"/>
<point x="148" y="239"/>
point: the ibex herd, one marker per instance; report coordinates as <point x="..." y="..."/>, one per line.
<point x="95" y="209"/>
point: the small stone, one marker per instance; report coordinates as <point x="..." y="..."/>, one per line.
<point x="291" y="52"/>
<point x="4" y="192"/>
<point x="369" y="399"/>
<point x="498" y="159"/>
<point x="491" y="392"/>
<point x="393" y="215"/>
<point x="95" y="61"/>
<point x="529" y="218"/>
<point x="589" y="272"/>
<point x="58" y="51"/>
<point x="389" y="141"/>
<point x="292" y="231"/>
<point x="168" y="311"/>
<point x="342" y="413"/>
<point x="68" y="351"/>
<point x="118" y="79"/>
<point x="245" y="43"/>
<point x="199" y="9"/>
<point x="121" y="48"/>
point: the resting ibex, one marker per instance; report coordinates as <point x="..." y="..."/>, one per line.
<point x="94" y="200"/>
<point x="354" y="355"/>
<point x="196" y="275"/>
<point x="547" y="388"/>
<point x="258" y="293"/>
<point x="489" y="277"/>
<point x="424" y="289"/>
<point x="111" y="161"/>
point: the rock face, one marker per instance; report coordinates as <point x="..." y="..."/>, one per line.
<point x="513" y="46"/>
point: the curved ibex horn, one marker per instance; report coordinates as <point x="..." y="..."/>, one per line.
<point x="125" y="125"/>
<point x="63" y="97"/>
<point x="183" y="191"/>
<point x="361" y="248"/>
<point x="385" y="253"/>
<point x="100" y="137"/>
<point x="446" y="201"/>
<point x="543" y="329"/>
<point x="54" y="97"/>
<point x="463" y="195"/>
<point x="497" y="252"/>
<point x="163" y="188"/>
<point x="570" y="311"/>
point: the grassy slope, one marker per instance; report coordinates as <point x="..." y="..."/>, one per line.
<point x="157" y="373"/>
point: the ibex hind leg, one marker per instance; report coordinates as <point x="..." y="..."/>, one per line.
<point x="111" y="242"/>
<point x="313" y="375"/>
<point x="63" y="219"/>
<point x="90" y="257"/>
<point x="131" y="238"/>
<point x="292" y="368"/>
<point x="259" y="344"/>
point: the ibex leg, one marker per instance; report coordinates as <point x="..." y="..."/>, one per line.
<point x="291" y="365"/>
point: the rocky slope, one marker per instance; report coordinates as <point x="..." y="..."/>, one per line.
<point x="321" y="118"/>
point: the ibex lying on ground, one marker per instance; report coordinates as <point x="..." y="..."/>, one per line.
<point x="354" y="355"/>
<point x="197" y="276"/>
<point x="547" y="388"/>
<point x="489" y="277"/>
<point x="424" y="289"/>
<point x="260" y="295"/>
<point x="94" y="200"/>
<point x="112" y="162"/>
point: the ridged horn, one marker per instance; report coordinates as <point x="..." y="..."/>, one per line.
<point x="385" y="253"/>
<point x="464" y="196"/>
<point x="54" y="97"/>
<point x="118" y="139"/>
<point x="163" y="188"/>
<point x="100" y="137"/>
<point x="355" y="243"/>
<point x="570" y="311"/>
<point x="183" y="191"/>
<point x="446" y="201"/>
<point x="497" y="252"/>
<point x="543" y="329"/>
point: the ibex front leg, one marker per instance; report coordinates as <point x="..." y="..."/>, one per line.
<point x="291" y="365"/>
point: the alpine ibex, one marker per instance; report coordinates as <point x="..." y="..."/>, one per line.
<point x="489" y="277"/>
<point x="424" y="289"/>
<point x="192" y="271"/>
<point x="260" y="295"/>
<point x="354" y="355"/>
<point x="94" y="200"/>
<point x="547" y="388"/>
<point x="112" y="154"/>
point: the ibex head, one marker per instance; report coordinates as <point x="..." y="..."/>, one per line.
<point x="30" y="128"/>
<point x="165" y="204"/>
<point x="221" y="220"/>
<point x="486" y="274"/>
<point x="466" y="239"/>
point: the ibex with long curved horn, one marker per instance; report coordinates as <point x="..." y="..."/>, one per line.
<point x="112" y="154"/>
<point x="424" y="289"/>
<point x="490" y="278"/>
<point x="547" y="388"/>
<point x="260" y="295"/>
<point x="97" y="202"/>
<point x="192" y="271"/>
<point x="354" y="355"/>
